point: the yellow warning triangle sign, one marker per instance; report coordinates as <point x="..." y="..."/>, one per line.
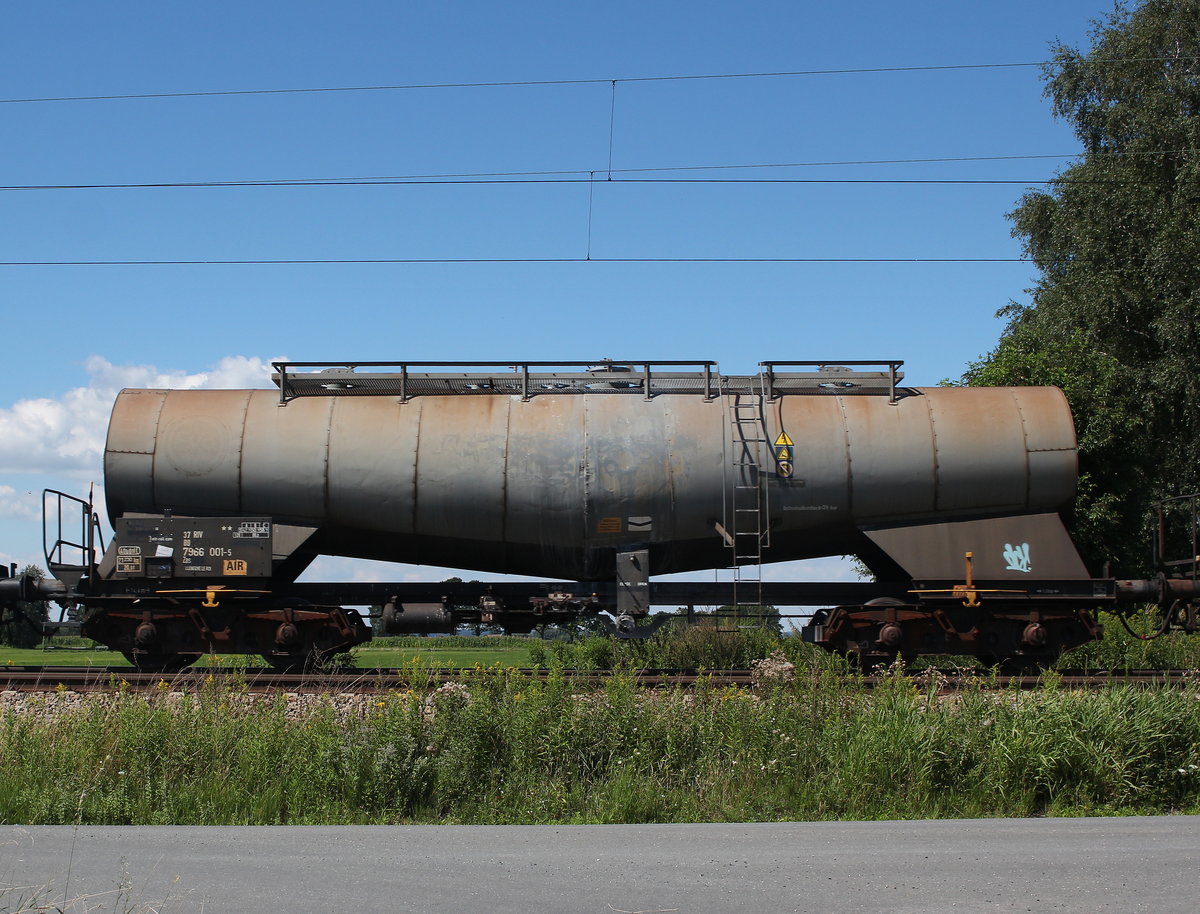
<point x="783" y="440"/>
<point x="784" y="454"/>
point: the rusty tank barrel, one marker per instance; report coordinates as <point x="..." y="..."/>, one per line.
<point x="555" y="484"/>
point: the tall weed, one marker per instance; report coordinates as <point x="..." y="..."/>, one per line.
<point x="496" y="747"/>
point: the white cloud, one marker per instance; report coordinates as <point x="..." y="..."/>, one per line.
<point x="233" y="371"/>
<point x="21" y="505"/>
<point x="66" y="435"/>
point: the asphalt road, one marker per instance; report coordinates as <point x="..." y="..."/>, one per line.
<point x="996" y="865"/>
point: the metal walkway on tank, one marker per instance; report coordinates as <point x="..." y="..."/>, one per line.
<point x="637" y="377"/>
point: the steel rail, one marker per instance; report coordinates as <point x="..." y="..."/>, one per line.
<point x="369" y="681"/>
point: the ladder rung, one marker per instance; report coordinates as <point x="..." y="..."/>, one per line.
<point x="745" y="461"/>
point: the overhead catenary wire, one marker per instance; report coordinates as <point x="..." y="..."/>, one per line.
<point x="644" y="175"/>
<point x="500" y="260"/>
<point x="496" y="84"/>
<point x="580" y="175"/>
<point x="493" y="182"/>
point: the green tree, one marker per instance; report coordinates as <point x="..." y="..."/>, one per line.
<point x="1113" y="318"/>
<point x="740" y="617"/>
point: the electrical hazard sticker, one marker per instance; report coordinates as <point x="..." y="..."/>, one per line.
<point x="784" y="450"/>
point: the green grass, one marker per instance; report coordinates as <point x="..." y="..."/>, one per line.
<point x="430" y="654"/>
<point x="499" y="748"/>
<point x="14" y="656"/>
<point x="429" y="651"/>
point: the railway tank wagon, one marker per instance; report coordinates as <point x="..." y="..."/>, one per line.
<point x="559" y="483"/>
<point x="599" y="476"/>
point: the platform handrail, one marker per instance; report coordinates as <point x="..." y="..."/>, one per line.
<point x="844" y="368"/>
<point x="53" y="504"/>
<point x="647" y="378"/>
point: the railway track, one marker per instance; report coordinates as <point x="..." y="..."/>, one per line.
<point x="98" y="679"/>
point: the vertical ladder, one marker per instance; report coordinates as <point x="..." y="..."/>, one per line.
<point x="746" y="529"/>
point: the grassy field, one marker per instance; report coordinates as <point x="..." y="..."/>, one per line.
<point x="13" y="656"/>
<point x="444" y="652"/>
<point x="429" y="652"/>
<point x="498" y="748"/>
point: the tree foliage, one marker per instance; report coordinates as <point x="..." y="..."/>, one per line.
<point x="21" y="623"/>
<point x="1113" y="318"/>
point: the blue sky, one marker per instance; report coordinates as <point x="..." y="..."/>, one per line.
<point x="75" y="334"/>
